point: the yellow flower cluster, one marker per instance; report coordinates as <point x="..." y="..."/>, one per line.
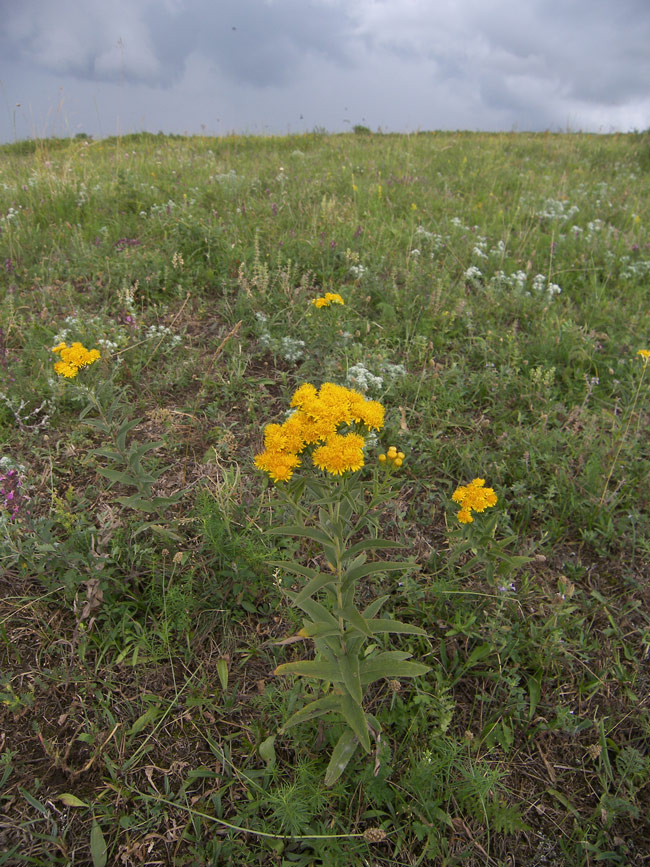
<point x="392" y="456"/>
<point x="327" y="299"/>
<point x="316" y="421"/>
<point x="473" y="497"/>
<point x="645" y="355"/>
<point x="73" y="358"/>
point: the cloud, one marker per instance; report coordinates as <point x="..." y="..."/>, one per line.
<point x="398" y="64"/>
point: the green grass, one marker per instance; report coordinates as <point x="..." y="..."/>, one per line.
<point x="137" y="649"/>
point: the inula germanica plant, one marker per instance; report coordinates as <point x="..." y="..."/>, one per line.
<point x="333" y="506"/>
<point x="112" y="420"/>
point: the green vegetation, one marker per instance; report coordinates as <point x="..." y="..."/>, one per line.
<point x="496" y="298"/>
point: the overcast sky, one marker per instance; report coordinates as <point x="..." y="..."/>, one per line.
<point x="107" y="67"/>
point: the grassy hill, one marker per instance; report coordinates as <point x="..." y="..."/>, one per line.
<point x="496" y="297"/>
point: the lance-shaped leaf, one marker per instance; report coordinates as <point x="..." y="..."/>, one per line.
<point x="118" y="476"/>
<point x="136" y="452"/>
<point x="124" y="428"/>
<point x="318" y="612"/>
<point x="368" y="545"/>
<point x="317" y="668"/>
<point x="98" y="423"/>
<point x="390" y="663"/>
<point x="356" y="719"/>
<point x="319" y="629"/>
<point x="341" y="755"/>
<point x="306" y="532"/>
<point x="366" y="569"/>
<point x="314" y="709"/>
<point x="320" y="580"/>
<point x="387" y="625"/>
<point x="351" y="677"/>
<point x="296" y="568"/>
<point x="351" y="615"/>
<point x="375" y="605"/>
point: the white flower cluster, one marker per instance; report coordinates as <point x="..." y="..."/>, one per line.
<point x="292" y="349"/>
<point x="554" y="209"/>
<point x="474" y="276"/>
<point x="541" y="284"/>
<point x="162" y="332"/>
<point x="359" y="377"/>
<point x="289" y="348"/>
<point x="638" y="270"/>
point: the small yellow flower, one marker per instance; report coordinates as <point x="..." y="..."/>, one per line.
<point x="473" y="497"/>
<point x="340" y="454"/>
<point x="645" y="355"/>
<point x="327" y="299"/>
<point x="73" y="358"/>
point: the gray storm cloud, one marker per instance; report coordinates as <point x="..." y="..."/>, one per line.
<point x="476" y="64"/>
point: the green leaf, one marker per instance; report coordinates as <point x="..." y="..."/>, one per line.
<point x="307" y="532"/>
<point x="98" y="848"/>
<point x="372" y="568"/>
<point x="31" y="800"/>
<point x="318" y="612"/>
<point x="369" y="545"/>
<point x="123" y="429"/>
<point x="267" y="752"/>
<point x="381" y="625"/>
<point x="296" y="568"/>
<point x="350" y="674"/>
<point x="137" y="451"/>
<point x="352" y="616"/>
<point x="117" y="476"/>
<point x="341" y="755"/>
<point x="374" y="606"/>
<point x="108" y="453"/>
<point x="312" y="668"/>
<point x="314" y="709"/>
<point x="222" y="672"/>
<point x="318" y="629"/>
<point x="356" y="719"/>
<point x="390" y="663"/>
<point x="71" y="800"/>
<point x="136" y="501"/>
<point x="149" y="716"/>
<point x="98" y="424"/>
<point x="534" y="693"/>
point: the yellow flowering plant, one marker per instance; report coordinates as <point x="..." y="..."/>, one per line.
<point x="329" y="427"/>
<point x="114" y="422"/>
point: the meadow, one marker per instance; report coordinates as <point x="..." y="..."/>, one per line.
<point x="495" y="293"/>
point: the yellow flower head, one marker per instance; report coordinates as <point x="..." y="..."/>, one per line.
<point x="340" y="454"/>
<point x="73" y="358"/>
<point x="645" y="355"/>
<point x="320" y="418"/>
<point x="327" y="299"/>
<point x="279" y="465"/>
<point x="473" y="497"/>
